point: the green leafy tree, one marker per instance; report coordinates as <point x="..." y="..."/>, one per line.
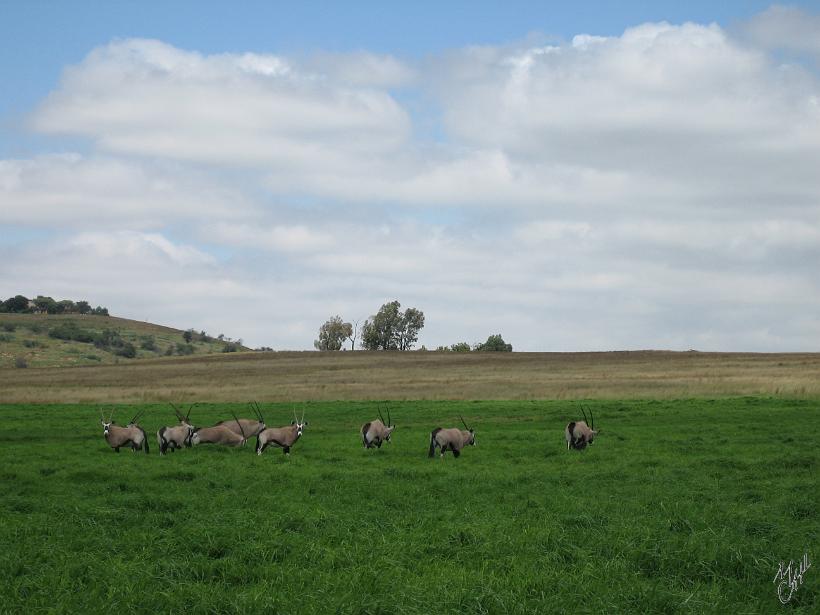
<point x="333" y="334"/>
<point x="494" y="343"/>
<point x="392" y="329"/>
<point x="188" y="335"/>
<point x="460" y="347"/>
<point x="83" y="307"/>
<point x="18" y="303"/>
<point x="45" y="304"/>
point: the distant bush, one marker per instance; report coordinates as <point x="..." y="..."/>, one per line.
<point x="70" y="331"/>
<point x="6" y="337"/>
<point x="148" y="343"/>
<point x="231" y="347"/>
<point x="184" y="349"/>
<point x="33" y="344"/>
<point x="35" y="327"/>
<point x="9" y="326"/>
<point x="127" y="350"/>
<point x="20" y="362"/>
<point x="93" y="357"/>
<point x="460" y="347"/>
<point x="494" y="343"/>
<point x="169" y="351"/>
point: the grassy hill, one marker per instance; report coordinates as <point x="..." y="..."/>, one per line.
<point x="44" y="340"/>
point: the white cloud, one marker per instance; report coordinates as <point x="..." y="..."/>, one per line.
<point x="70" y="190"/>
<point x="146" y="97"/>
<point x="654" y="189"/>
<point x="785" y="27"/>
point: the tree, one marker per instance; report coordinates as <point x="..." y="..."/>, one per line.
<point x="392" y="329"/>
<point x="45" y="304"/>
<point x="83" y="307"/>
<point x="333" y="333"/>
<point x="66" y="306"/>
<point x="18" y="303"/>
<point x="494" y="343"/>
<point x="460" y="347"/>
<point x="188" y="335"/>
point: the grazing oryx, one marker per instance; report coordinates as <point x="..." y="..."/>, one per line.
<point x="247" y="427"/>
<point x="455" y="439"/>
<point x="132" y="434"/>
<point x="219" y="434"/>
<point x="579" y="433"/>
<point x="376" y="432"/>
<point x="284" y="437"/>
<point x="176" y="436"/>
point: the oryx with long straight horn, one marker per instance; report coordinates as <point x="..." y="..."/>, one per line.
<point x="176" y="436"/>
<point x="219" y="434"/>
<point x="580" y="433"/>
<point x="376" y="432"/>
<point x="453" y="439"/>
<point x="131" y="435"/>
<point x="283" y="437"/>
<point x="247" y="427"/>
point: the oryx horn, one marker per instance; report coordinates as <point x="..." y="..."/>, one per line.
<point x="463" y="423"/>
<point x="238" y="423"/>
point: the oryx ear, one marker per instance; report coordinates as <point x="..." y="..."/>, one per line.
<point x="293" y="422"/>
<point x="305" y="423"/>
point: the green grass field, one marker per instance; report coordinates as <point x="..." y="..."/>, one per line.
<point x="679" y="506"/>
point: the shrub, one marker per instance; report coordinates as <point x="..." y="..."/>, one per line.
<point x="460" y="347"/>
<point x="170" y="350"/>
<point x="127" y="350"/>
<point x="184" y="349"/>
<point x="148" y="343"/>
<point x="70" y="331"/>
<point x="20" y="362"/>
<point x="231" y="347"/>
<point x="9" y="326"/>
<point x="93" y="357"/>
<point x="6" y="337"/>
<point x="33" y="344"/>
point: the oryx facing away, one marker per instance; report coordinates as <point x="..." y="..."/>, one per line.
<point x="580" y="433"/>
<point x="132" y="434"/>
<point x="247" y="427"/>
<point x="176" y="436"/>
<point x="454" y="439"/>
<point x="219" y="434"/>
<point x="376" y="432"/>
<point x="284" y="437"/>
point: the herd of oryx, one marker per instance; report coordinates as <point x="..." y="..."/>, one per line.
<point x="236" y="431"/>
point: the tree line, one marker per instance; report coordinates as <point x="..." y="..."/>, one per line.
<point x="19" y="304"/>
<point x="391" y="329"/>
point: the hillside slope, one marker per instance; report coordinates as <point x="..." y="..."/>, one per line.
<point x="70" y="340"/>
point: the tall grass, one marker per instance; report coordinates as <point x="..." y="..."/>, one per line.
<point x="422" y="375"/>
<point x="679" y="506"/>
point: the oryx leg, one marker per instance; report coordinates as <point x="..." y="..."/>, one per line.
<point x="286" y="450"/>
<point x="455" y="453"/>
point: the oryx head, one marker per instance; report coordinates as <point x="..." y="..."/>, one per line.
<point x="388" y="427"/>
<point x="185" y="421"/>
<point x="471" y="441"/>
<point x="300" y="425"/>
<point x="106" y="424"/>
<point x="255" y="407"/>
<point x="590" y="423"/>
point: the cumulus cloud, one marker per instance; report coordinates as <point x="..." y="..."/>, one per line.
<point x="653" y="189"/>
<point x="785" y="27"/>
<point x="149" y="98"/>
<point x="70" y="190"/>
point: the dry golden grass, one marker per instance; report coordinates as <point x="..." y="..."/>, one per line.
<point x="303" y="376"/>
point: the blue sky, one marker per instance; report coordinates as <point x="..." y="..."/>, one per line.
<point x="575" y="176"/>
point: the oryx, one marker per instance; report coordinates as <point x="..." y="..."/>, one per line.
<point x="176" y="436"/>
<point x="132" y="434"/>
<point x="284" y="437"/>
<point x="247" y="427"/>
<point x="376" y="432"/>
<point x="580" y="433"/>
<point x="454" y="439"/>
<point x="219" y="434"/>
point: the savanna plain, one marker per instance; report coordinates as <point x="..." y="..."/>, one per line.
<point x="697" y="487"/>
